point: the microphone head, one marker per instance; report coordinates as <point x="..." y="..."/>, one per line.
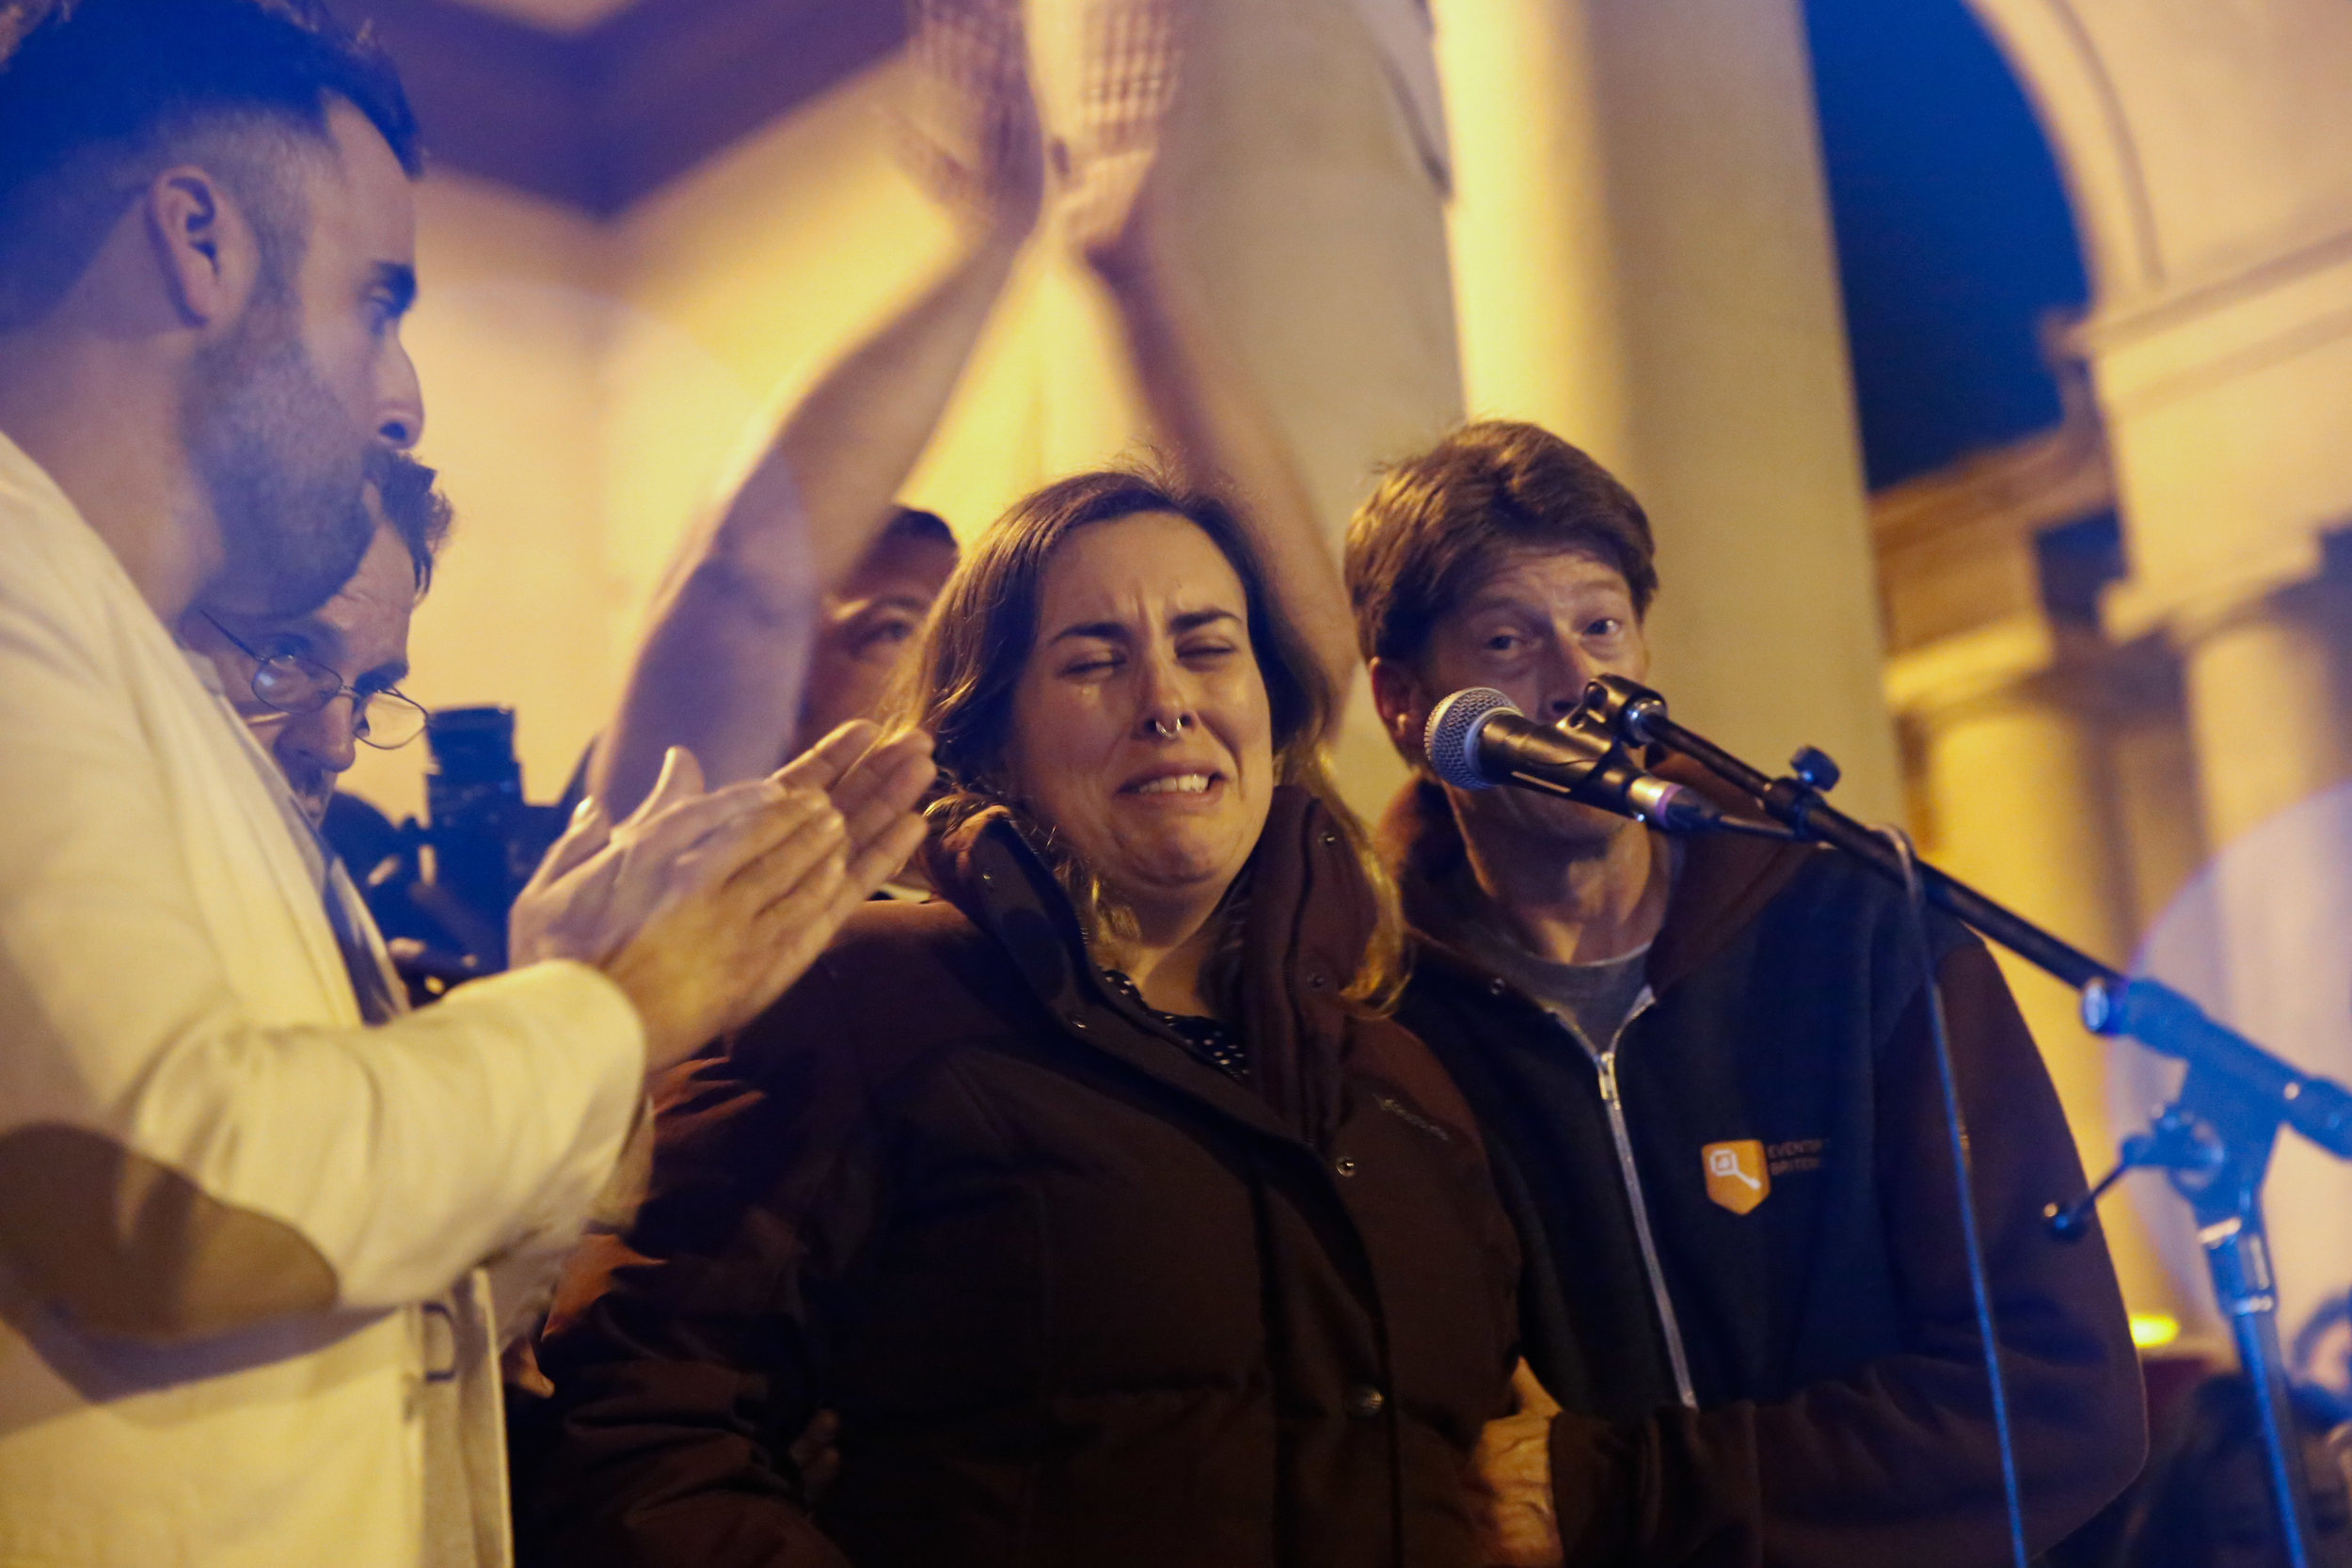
<point x="1452" y="738"/>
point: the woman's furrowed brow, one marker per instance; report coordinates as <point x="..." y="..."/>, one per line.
<point x="1119" y="631"/>
<point x="1102" y="631"/>
<point x="1193" y="620"/>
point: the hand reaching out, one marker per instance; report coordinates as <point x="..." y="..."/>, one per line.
<point x="726" y="662"/>
<point x="1510" y="1481"/>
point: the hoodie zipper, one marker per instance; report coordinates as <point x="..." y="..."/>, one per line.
<point x="1605" y="1062"/>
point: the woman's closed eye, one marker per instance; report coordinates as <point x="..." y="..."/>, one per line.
<point x="1095" y="666"/>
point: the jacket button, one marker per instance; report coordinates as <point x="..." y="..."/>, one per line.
<point x="1497" y="986"/>
<point x="1364" y="1402"/>
<point x="1345" y="1165"/>
<point x="1329" y="838"/>
<point x="1316" y="982"/>
<point x="1077" y="1022"/>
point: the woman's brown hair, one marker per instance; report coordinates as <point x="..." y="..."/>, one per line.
<point x="984" y="627"/>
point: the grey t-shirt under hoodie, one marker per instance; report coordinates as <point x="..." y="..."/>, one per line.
<point x="1595" y="999"/>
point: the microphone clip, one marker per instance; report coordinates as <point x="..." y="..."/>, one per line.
<point x="1623" y="708"/>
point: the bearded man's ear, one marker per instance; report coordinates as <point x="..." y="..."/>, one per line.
<point x="206" y="251"/>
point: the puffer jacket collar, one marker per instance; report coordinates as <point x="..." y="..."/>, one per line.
<point x="1724" y="878"/>
<point x="1308" y="918"/>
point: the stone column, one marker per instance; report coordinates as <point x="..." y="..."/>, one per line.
<point x="2266" y="702"/>
<point x="2259" y="936"/>
<point x="2020" y="805"/>
<point x="2263" y="673"/>
<point x="1535" y="274"/>
<point x="1643" y="263"/>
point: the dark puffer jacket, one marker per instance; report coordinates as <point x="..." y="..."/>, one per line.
<point x="1078" y="1297"/>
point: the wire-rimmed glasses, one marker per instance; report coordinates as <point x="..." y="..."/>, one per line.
<point x="289" y="684"/>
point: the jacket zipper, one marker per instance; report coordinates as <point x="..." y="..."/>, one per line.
<point x="1606" y="1063"/>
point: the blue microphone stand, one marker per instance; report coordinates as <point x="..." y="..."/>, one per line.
<point x="2213" y="1141"/>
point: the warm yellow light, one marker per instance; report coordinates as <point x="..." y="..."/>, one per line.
<point x="2154" y="1330"/>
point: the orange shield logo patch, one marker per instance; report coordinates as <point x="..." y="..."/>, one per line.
<point x="1736" y="1175"/>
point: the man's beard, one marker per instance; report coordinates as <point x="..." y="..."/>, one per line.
<point x="281" y="465"/>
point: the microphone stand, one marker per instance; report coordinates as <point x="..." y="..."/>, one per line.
<point x="2213" y="1141"/>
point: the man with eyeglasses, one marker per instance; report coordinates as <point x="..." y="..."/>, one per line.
<point x="246" y="1218"/>
<point x="312" y="687"/>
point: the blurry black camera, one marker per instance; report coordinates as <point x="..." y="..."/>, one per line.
<point x="440" y="888"/>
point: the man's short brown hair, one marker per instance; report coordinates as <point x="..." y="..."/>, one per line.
<point x="1440" y="523"/>
<point x="98" y="97"/>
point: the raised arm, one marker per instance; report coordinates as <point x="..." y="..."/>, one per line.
<point x="1208" y="407"/>
<point x="725" y="667"/>
<point x="1204" y="399"/>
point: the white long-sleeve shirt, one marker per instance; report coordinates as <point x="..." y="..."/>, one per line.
<point x="197" y="1130"/>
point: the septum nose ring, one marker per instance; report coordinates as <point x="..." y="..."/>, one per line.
<point x="1168" y="731"/>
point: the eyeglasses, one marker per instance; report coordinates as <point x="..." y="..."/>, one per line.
<point x="286" y="683"/>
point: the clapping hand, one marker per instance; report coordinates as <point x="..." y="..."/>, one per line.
<point x="704" y="905"/>
<point x="874" y="783"/>
<point x="969" y="135"/>
<point x="1132" y="63"/>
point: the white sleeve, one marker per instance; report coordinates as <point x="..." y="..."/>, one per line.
<point x="159" y="988"/>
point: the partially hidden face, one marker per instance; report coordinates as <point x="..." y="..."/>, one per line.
<point x="1538" y="628"/>
<point x="868" y="628"/>
<point x="281" y="412"/>
<point x="361" y="633"/>
<point x="1141" y="729"/>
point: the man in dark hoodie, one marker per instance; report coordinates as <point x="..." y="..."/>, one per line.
<point x="1709" y="1092"/>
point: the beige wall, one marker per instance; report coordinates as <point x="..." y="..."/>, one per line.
<point x="2196" y="140"/>
<point x="507" y="337"/>
<point x="2208" y="153"/>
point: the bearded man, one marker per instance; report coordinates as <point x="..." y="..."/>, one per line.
<point x="244" y="1317"/>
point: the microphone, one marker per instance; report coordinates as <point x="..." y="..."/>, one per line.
<point x="1476" y="740"/>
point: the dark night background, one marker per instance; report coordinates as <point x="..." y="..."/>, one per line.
<point x="1954" y="239"/>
